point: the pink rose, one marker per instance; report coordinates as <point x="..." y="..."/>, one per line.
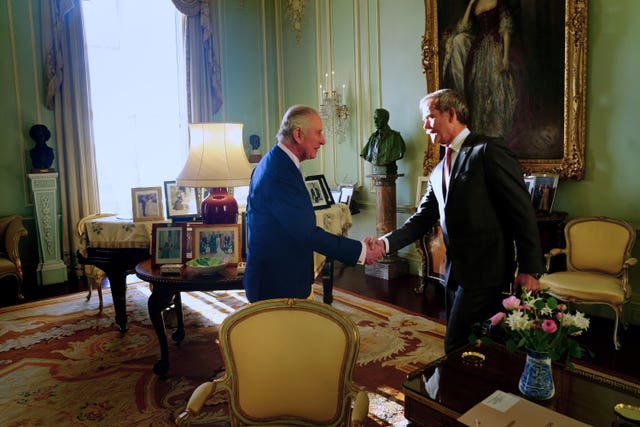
<point x="549" y="326"/>
<point x="511" y="303"/>
<point x="497" y="318"/>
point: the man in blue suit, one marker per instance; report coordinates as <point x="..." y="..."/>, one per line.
<point x="488" y="222"/>
<point x="281" y="223"/>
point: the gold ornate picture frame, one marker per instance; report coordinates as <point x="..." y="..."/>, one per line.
<point x="562" y="135"/>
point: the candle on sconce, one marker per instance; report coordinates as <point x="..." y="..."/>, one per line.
<point x="320" y="92"/>
<point x="344" y="88"/>
<point x="326" y="77"/>
<point x="332" y="85"/>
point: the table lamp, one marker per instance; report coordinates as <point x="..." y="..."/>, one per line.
<point x="216" y="160"/>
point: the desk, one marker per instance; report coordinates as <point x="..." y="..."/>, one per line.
<point x="114" y="246"/>
<point x="583" y="394"/>
<point x="166" y="289"/>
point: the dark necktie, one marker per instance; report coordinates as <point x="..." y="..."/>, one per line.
<point x="447" y="169"/>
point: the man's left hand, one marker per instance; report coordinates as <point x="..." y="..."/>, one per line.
<point x="527" y="281"/>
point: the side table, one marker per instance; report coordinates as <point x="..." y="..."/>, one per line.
<point x="166" y="289"/>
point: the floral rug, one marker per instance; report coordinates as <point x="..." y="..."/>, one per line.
<point x="63" y="362"/>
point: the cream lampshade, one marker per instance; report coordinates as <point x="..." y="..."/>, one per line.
<point x="216" y="160"/>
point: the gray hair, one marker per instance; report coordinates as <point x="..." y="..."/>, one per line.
<point x="446" y="99"/>
<point x="297" y="116"/>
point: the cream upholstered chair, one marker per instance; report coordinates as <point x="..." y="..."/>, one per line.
<point x="598" y="255"/>
<point x="11" y="231"/>
<point x="287" y="362"/>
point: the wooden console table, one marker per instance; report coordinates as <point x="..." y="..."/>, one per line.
<point x="439" y="393"/>
<point x="165" y="289"/>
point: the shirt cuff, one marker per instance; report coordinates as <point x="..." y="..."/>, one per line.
<point x="363" y="253"/>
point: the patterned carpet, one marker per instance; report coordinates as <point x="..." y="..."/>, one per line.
<point x="62" y="362"/>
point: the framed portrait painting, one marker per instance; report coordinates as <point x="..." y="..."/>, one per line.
<point x="181" y="202"/>
<point x="318" y="191"/>
<point x="147" y="204"/>
<point x="222" y="240"/>
<point x="532" y="96"/>
<point x="168" y="243"/>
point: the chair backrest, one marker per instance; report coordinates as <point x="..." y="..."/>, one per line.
<point x="289" y="361"/>
<point x="598" y="244"/>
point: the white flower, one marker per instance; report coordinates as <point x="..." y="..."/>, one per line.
<point x="578" y="320"/>
<point x="519" y="321"/>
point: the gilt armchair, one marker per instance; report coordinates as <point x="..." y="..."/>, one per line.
<point x="11" y="231"/>
<point x="598" y="257"/>
<point x="287" y="362"/>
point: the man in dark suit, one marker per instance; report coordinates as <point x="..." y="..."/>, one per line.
<point x="281" y="223"/>
<point x="487" y="219"/>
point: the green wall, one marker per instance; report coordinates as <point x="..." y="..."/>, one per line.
<point x="374" y="48"/>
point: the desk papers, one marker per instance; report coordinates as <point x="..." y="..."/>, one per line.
<point x="502" y="409"/>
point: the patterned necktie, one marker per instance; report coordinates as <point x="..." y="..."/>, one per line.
<point x="447" y="169"/>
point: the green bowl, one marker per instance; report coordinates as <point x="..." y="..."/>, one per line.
<point x="208" y="265"/>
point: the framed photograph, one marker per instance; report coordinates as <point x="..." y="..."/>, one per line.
<point x="147" y="204"/>
<point x="336" y="195"/>
<point x="222" y="240"/>
<point x="544" y="191"/>
<point x="168" y="243"/>
<point x="421" y="188"/>
<point x="318" y="191"/>
<point x="181" y="202"/>
<point x="530" y="183"/>
<point x="545" y="72"/>
<point x="346" y="193"/>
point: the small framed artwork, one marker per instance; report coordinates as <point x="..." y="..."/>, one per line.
<point x="346" y="193"/>
<point x="335" y="194"/>
<point x="530" y="183"/>
<point x="319" y="195"/>
<point x="421" y="188"/>
<point x="168" y="243"/>
<point x="222" y="240"/>
<point x="544" y="191"/>
<point x="147" y="203"/>
<point x="181" y="202"/>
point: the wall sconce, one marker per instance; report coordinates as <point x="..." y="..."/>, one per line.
<point x="333" y="111"/>
<point x="216" y="160"/>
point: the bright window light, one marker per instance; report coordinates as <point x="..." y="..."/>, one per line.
<point x="136" y="68"/>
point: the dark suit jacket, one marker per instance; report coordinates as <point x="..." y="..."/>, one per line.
<point x="487" y="209"/>
<point x="283" y="234"/>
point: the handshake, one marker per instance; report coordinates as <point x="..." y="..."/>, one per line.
<point x="375" y="250"/>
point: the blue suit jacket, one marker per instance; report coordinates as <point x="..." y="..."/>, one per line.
<point x="282" y="233"/>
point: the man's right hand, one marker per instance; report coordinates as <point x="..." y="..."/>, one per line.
<point x="375" y="250"/>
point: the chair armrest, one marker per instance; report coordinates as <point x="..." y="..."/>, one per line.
<point x="553" y="252"/>
<point x="15" y="231"/>
<point x="196" y="401"/>
<point x="360" y="409"/>
<point x="631" y="262"/>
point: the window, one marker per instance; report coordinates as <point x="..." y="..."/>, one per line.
<point x="136" y="70"/>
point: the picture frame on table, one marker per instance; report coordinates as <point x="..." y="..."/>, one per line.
<point x="319" y="191"/>
<point x="346" y="193"/>
<point x="168" y="243"/>
<point x="222" y="240"/>
<point x="146" y="204"/>
<point x="544" y="191"/>
<point x="530" y="183"/>
<point x="181" y="202"/>
<point x="421" y="188"/>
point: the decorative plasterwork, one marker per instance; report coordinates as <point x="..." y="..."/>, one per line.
<point x="295" y="12"/>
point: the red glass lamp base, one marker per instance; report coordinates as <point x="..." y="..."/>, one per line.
<point x="220" y="207"/>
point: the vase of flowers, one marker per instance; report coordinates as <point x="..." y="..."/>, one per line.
<point x="545" y="328"/>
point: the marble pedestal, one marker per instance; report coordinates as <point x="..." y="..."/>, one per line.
<point x="391" y="266"/>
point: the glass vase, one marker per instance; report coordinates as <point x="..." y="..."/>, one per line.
<point x="536" y="381"/>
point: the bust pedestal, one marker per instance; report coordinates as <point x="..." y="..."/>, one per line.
<point x="51" y="269"/>
<point x="390" y="266"/>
